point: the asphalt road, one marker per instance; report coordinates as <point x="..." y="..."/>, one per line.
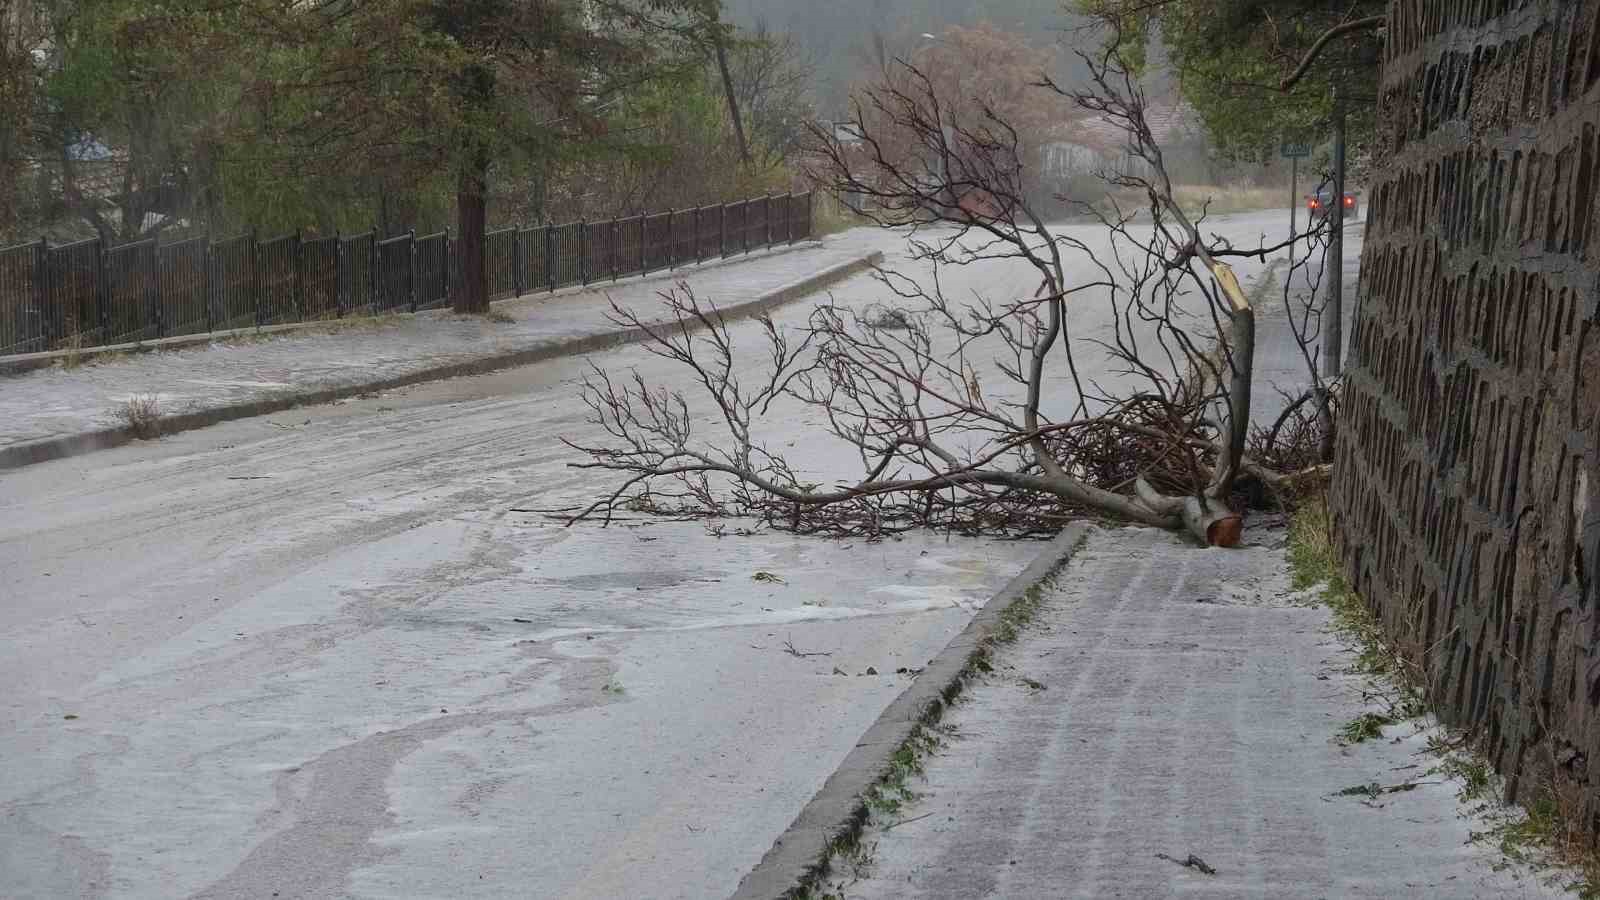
<point x="331" y="653"/>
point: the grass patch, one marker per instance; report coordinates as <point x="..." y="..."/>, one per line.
<point x="1365" y="727"/>
<point x="1553" y="828"/>
<point x="1219" y="200"/>
<point x="141" y="414"/>
<point x="1313" y="561"/>
<point x="1546" y="830"/>
<point x="829" y="216"/>
<point x="849" y="853"/>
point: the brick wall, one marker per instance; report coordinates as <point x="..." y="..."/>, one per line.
<point x="1466" y="487"/>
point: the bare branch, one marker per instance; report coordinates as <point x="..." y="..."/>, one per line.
<point x="1354" y="25"/>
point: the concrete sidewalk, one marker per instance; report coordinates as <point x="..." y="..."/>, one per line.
<point x="1175" y="710"/>
<point x="55" y="412"/>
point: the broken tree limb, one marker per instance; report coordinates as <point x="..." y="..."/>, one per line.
<point x="1208" y="520"/>
<point x="1241" y="363"/>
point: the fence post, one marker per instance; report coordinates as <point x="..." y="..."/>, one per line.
<point x="446" y="267"/>
<point x="299" y="277"/>
<point x="697" y="257"/>
<point x="41" y="291"/>
<point x="766" y="217"/>
<point x="341" y="299"/>
<point x="722" y="229"/>
<point x="102" y="291"/>
<point x="810" y="226"/>
<point x="411" y="286"/>
<point x="788" y="217"/>
<point x="207" y="287"/>
<point x="255" y="276"/>
<point x="516" y="258"/>
<point x="152" y="288"/>
<point x="549" y="257"/>
<point x="672" y="252"/>
<point x="372" y="270"/>
<point x="583" y="251"/>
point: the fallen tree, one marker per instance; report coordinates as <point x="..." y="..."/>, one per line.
<point x="1166" y="446"/>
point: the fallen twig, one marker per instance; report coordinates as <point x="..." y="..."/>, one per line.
<point x="1376" y="790"/>
<point x="904" y="821"/>
<point x="789" y="648"/>
<point x="1193" y="862"/>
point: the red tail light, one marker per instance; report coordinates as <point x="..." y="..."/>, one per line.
<point x="1311" y="203"/>
<point x="1349" y="201"/>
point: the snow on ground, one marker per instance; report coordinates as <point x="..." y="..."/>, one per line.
<point x="1173" y="702"/>
<point x="327" y="652"/>
<point x="50" y="402"/>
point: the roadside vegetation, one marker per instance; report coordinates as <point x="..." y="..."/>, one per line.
<point x="1545" y="831"/>
<point x="141" y="415"/>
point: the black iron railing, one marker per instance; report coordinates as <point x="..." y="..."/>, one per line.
<point x="87" y="294"/>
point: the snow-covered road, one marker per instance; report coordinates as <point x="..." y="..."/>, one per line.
<point x="328" y="653"/>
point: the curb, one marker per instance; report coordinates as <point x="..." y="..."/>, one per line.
<point x="22" y="363"/>
<point x="17" y="456"/>
<point x="838" y="813"/>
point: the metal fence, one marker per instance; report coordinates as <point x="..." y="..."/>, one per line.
<point x="87" y="294"/>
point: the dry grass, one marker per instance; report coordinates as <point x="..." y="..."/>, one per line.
<point x="1218" y="200"/>
<point x="1212" y="199"/>
<point x="141" y="414"/>
<point x="829" y="216"/>
<point x="73" y="346"/>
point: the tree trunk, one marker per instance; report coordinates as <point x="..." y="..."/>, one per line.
<point x="733" y="102"/>
<point x="471" y="217"/>
<point x="1208" y="521"/>
<point x="1240" y="359"/>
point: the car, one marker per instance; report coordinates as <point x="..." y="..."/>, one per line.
<point x="1321" y="203"/>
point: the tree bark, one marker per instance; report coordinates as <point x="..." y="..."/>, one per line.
<point x="1208" y="521"/>
<point x="733" y="101"/>
<point x="1240" y="358"/>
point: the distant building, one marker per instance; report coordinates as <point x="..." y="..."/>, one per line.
<point x="1095" y="145"/>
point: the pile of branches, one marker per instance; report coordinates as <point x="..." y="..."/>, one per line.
<point x="956" y="414"/>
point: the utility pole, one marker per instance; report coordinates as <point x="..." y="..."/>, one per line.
<point x="1333" y="308"/>
<point x="1294" y="190"/>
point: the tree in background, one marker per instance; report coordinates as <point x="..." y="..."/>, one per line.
<point x="842" y="38"/>
<point x="972" y="78"/>
<point x="463" y="87"/>
<point x="1231" y="58"/>
<point x="127" y="101"/>
<point x="683" y="150"/>
<point x="22" y="35"/>
<point x="132" y="118"/>
<point x="772" y="77"/>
